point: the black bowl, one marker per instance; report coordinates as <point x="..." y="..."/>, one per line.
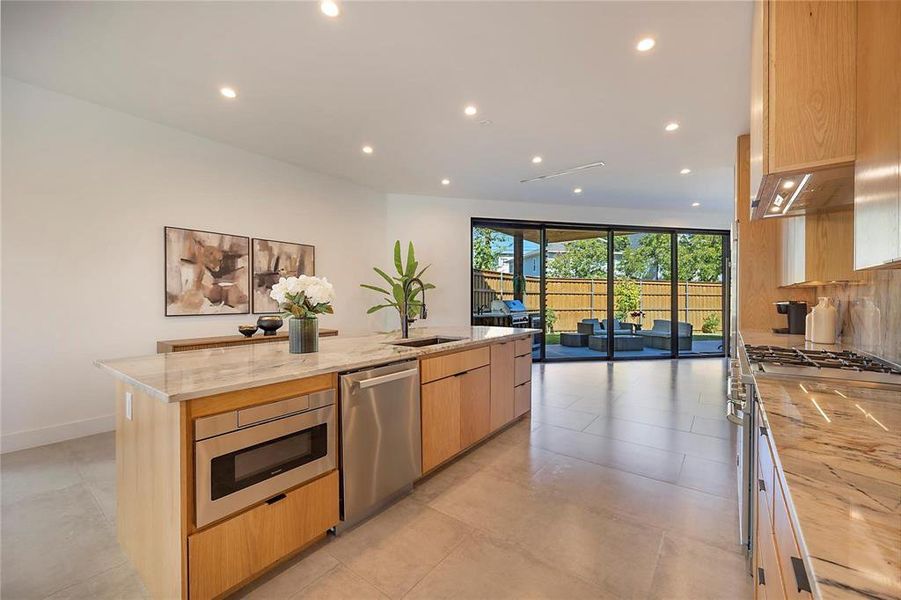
<point x="269" y="324"/>
<point x="247" y="330"/>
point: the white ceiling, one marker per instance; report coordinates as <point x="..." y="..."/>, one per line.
<point x="559" y="79"/>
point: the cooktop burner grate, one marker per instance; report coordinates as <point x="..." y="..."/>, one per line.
<point x="794" y="357"/>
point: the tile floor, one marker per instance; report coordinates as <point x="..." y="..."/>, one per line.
<point x="622" y="485"/>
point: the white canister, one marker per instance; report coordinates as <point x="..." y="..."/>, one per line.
<point x="824" y="320"/>
<point x="808" y="327"/>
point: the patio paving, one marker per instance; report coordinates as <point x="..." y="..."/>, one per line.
<point x="698" y="347"/>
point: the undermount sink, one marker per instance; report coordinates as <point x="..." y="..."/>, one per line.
<point x="429" y="341"/>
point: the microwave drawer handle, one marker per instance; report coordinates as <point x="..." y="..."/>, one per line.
<point x="368" y="383"/>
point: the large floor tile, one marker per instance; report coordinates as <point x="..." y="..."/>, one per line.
<point x="716" y="427"/>
<point x="662" y="438"/>
<point x="562" y="417"/>
<point x="35" y="471"/>
<point x="397" y="548"/>
<point x="485" y="567"/>
<point x="652" y="416"/>
<point x="692" y="570"/>
<point x="290" y="578"/>
<point x="118" y="583"/>
<point x="53" y="540"/>
<point x="340" y="584"/>
<point x="611" y="452"/>
<point x="710" y="476"/>
<point x="517" y="462"/>
<point x="94" y="456"/>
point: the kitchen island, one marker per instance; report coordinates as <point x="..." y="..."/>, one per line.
<point x="829" y="492"/>
<point x="171" y="409"/>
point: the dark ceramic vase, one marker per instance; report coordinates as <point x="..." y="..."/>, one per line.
<point x="269" y="324"/>
<point x="303" y="335"/>
<point x="247" y="330"/>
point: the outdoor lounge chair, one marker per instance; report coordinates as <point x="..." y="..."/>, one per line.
<point x="598" y="327"/>
<point x="660" y="335"/>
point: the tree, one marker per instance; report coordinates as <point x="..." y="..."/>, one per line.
<point x="584" y="259"/>
<point x="700" y="257"/>
<point x="485" y="255"/>
<point x="626" y="298"/>
<point x="649" y="259"/>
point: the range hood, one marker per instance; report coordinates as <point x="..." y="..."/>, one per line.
<point x="796" y="193"/>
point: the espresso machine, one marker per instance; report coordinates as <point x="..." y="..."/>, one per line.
<point x="796" y="312"/>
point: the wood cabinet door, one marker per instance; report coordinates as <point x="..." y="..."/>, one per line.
<point x="228" y="554"/>
<point x="522" y="399"/>
<point x="502" y="365"/>
<point x="475" y="405"/>
<point x="787" y="548"/>
<point x="441" y="402"/>
<point x="768" y="577"/>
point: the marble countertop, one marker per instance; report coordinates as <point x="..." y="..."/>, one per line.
<point x="180" y="376"/>
<point x="839" y="448"/>
<point x="768" y="338"/>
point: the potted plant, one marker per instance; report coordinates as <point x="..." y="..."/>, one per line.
<point x="302" y="299"/>
<point x="399" y="290"/>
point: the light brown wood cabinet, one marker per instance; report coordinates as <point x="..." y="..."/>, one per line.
<point x="441" y="405"/>
<point x="475" y="405"/>
<point x="803" y="84"/>
<point x="231" y="553"/>
<point x="779" y="571"/>
<point x="817" y="248"/>
<point x="877" y="171"/>
<point x="502" y="384"/>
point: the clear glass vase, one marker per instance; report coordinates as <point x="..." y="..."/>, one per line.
<point x="303" y="335"/>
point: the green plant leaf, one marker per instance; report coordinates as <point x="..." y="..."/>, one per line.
<point x="423" y="270"/>
<point x="372" y="309"/>
<point x="398" y="264"/>
<point x="398" y="290"/>
<point x="411" y="261"/>
<point x="428" y="286"/>
<point x="374" y="288"/>
<point x="384" y="275"/>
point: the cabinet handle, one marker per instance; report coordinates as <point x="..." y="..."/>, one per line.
<point x="761" y="485"/>
<point x="761" y="576"/>
<point x="275" y="499"/>
<point x="801" y="575"/>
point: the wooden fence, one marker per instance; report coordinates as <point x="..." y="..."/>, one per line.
<point x="575" y="299"/>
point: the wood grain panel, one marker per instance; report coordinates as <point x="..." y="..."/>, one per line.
<point x="522" y="346"/>
<point x="227" y="341"/>
<point x="811" y="83"/>
<point x="522" y="369"/>
<point x="877" y="172"/>
<point x="502" y="373"/>
<point x="224" y="556"/>
<point x="786" y="544"/>
<point x="829" y="246"/>
<point x="150" y="472"/>
<point x="475" y="405"/>
<point x="219" y="403"/>
<point x="441" y="404"/>
<point x="759" y="154"/>
<point x="451" y="364"/>
<point x="759" y="257"/>
<point x="522" y="399"/>
<point x="767" y="558"/>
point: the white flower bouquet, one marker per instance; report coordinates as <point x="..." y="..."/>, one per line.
<point x="304" y="297"/>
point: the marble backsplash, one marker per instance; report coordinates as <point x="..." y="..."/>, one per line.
<point x="870" y="312"/>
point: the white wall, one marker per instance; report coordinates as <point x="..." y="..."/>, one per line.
<point x="86" y="193"/>
<point x="440" y="230"/>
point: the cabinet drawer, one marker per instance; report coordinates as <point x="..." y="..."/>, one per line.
<point x="768" y="578"/>
<point x="230" y="553"/>
<point x="787" y="548"/>
<point x="522" y="346"/>
<point x="522" y="399"/>
<point x="522" y="370"/>
<point x="451" y="364"/>
<point x="765" y="462"/>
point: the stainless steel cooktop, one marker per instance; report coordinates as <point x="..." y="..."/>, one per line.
<point x="842" y="365"/>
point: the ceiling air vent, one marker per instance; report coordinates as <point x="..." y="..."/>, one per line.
<point x="570" y="171"/>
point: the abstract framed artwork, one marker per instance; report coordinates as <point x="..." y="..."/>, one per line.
<point x="207" y="273"/>
<point x="273" y="259"/>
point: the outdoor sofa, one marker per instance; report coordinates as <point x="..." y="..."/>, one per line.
<point x="660" y="335"/>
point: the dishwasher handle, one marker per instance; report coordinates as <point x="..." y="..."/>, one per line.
<point x="368" y="383"/>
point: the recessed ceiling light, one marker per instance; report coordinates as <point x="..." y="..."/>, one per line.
<point x="329" y="8"/>
<point x="367" y="150"/>
<point x="536" y="160"/>
<point x="685" y="171"/>
<point x="645" y="44"/>
<point x="788" y="185"/>
<point x="672" y="126"/>
<point x="696" y="204"/>
<point x="445" y="181"/>
<point x="577" y="190"/>
<point x="228" y="92"/>
<point x="470" y="110"/>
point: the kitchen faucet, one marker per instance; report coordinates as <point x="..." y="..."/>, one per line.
<point x="405" y="320"/>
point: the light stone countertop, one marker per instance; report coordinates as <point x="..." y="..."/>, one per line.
<point x="839" y="448"/>
<point x="180" y="376"/>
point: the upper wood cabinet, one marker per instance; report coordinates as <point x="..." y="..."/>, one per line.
<point x="802" y="86"/>
<point x="877" y="172"/>
<point x="817" y="248"/>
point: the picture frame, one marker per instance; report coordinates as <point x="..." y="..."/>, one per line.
<point x="271" y="260"/>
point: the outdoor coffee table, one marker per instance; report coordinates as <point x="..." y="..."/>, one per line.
<point x="620" y="342"/>
<point x="575" y="340"/>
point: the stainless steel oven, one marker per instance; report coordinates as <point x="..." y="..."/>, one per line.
<point x="246" y="456"/>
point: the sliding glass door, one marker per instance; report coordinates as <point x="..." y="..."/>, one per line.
<point x="603" y="292"/>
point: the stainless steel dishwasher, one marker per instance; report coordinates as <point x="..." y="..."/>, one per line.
<point x="381" y="439"/>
